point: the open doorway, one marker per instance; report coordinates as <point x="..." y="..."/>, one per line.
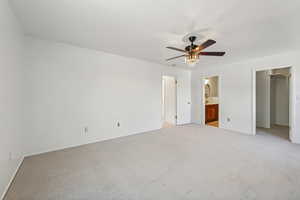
<point x="169" y="101"/>
<point x="211" y="100"/>
<point x="273" y="102"/>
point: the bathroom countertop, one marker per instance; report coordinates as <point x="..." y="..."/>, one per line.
<point x="207" y="104"/>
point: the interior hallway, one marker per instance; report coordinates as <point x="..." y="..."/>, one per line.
<point x="183" y="162"/>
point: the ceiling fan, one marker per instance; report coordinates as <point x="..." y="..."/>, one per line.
<point x="193" y="51"/>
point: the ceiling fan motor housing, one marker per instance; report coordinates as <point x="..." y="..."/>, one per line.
<point x="191" y="47"/>
<point x="192" y="39"/>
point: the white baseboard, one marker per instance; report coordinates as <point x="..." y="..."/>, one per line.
<point x="225" y="128"/>
<point x="86" y="143"/>
<point x="12" y="178"/>
<point x="183" y="124"/>
<point x="281" y="124"/>
<point x="295" y="140"/>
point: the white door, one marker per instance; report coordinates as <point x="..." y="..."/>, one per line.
<point x="170" y="99"/>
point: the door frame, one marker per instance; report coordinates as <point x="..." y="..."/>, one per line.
<point x="292" y="97"/>
<point x="203" y="97"/>
<point x="163" y="97"/>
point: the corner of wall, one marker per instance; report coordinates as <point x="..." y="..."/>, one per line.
<point x="19" y="161"/>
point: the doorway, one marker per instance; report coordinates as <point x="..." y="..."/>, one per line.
<point x="211" y="100"/>
<point x="273" y="100"/>
<point x="169" y="101"/>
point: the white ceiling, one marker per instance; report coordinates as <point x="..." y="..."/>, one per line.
<point x="143" y="28"/>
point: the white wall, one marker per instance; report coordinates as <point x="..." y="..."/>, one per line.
<point x="169" y="99"/>
<point x="72" y="87"/>
<point x="263" y="92"/>
<point x="235" y="92"/>
<point x="11" y="142"/>
<point x="234" y="97"/>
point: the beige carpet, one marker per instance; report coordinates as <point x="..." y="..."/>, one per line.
<point x="178" y="163"/>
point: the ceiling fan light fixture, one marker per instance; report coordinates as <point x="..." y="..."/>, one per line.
<point x="192" y="59"/>
<point x="193" y="51"/>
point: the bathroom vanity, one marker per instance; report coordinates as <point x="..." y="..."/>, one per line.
<point x="211" y="112"/>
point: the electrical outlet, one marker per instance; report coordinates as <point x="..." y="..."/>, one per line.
<point x="86" y="129"/>
<point x="118" y="124"/>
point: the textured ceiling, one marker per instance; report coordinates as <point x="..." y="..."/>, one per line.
<point x="143" y="28"/>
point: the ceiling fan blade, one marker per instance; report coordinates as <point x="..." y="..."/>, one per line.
<point x="175" y="57"/>
<point x="176" y="49"/>
<point x="206" y="44"/>
<point x="212" y="53"/>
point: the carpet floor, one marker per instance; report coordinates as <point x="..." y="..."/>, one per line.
<point x="185" y="162"/>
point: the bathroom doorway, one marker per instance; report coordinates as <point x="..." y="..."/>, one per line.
<point x="211" y="100"/>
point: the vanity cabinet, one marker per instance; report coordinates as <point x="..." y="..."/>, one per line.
<point x="211" y="112"/>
